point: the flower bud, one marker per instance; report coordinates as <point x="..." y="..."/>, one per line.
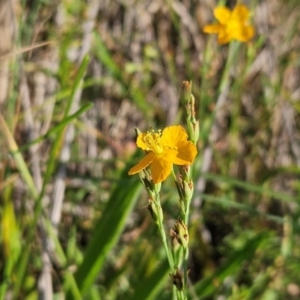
<point x="177" y="279"/>
<point x="196" y="132"/>
<point x="188" y="190"/>
<point x="155" y="211"/>
<point x="137" y="131"/>
<point x="186" y="91"/>
<point x="157" y="187"/>
<point x="181" y="234"/>
<point x="193" y="130"/>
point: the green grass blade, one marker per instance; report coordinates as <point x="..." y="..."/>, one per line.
<point x="150" y="286"/>
<point x="133" y="91"/>
<point x="228" y="203"/>
<point x="24" y="171"/>
<point x="106" y="58"/>
<point x="58" y="127"/>
<point x="206" y="287"/>
<point x="70" y="284"/>
<point x="107" y="232"/>
<point x="20" y="162"/>
<point x="248" y="186"/>
<point x="56" y="146"/>
<point x="77" y="83"/>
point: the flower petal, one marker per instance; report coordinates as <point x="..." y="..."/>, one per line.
<point x="222" y="14"/>
<point x="140" y="143"/>
<point x="172" y="135"/>
<point x="160" y="169"/>
<point x="145" y="162"/>
<point x="187" y="151"/>
<point x="224" y="37"/>
<point x="185" y="154"/>
<point x="240" y="12"/>
<point x="213" y="28"/>
<point x="245" y="34"/>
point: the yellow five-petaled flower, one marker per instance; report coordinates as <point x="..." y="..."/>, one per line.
<point x="171" y="146"/>
<point x="232" y="24"/>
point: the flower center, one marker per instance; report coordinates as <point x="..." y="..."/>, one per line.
<point x="153" y="142"/>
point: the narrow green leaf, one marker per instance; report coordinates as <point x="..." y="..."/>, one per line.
<point x="131" y="89"/>
<point x="249" y="187"/>
<point x="206" y="287"/>
<point x="226" y="202"/>
<point x="77" y="83"/>
<point x="107" y="232"/>
<point x="20" y="162"/>
<point x="22" y="264"/>
<point x="59" y="126"/>
<point x="106" y="58"/>
<point x="150" y="286"/>
<point x="56" y="146"/>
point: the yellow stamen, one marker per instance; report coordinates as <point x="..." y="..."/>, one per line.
<point x="153" y="142"/>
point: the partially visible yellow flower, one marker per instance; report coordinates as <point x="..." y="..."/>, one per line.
<point x="233" y="25"/>
<point x="163" y="150"/>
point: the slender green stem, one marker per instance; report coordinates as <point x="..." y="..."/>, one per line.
<point x="232" y="54"/>
<point x="181" y="295"/>
<point x="187" y="215"/>
<point x="185" y="269"/>
<point x="224" y="84"/>
<point x="162" y="231"/>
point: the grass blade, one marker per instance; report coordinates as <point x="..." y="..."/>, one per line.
<point x="206" y="287"/>
<point x="107" y="231"/>
<point x="150" y="286"/>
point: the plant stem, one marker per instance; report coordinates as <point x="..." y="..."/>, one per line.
<point x="162" y="231"/>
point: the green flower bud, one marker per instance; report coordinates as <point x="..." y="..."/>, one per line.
<point x="196" y="132"/>
<point x="157" y="187"/>
<point x="155" y="211"/>
<point x="186" y="91"/>
<point x="137" y="131"/>
<point x="177" y="279"/>
<point x="188" y="190"/>
<point x="193" y="130"/>
<point x="181" y="234"/>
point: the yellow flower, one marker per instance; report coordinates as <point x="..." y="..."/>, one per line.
<point x="232" y="24"/>
<point x="163" y="150"/>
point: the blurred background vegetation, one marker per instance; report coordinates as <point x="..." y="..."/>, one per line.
<point x="76" y="77"/>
